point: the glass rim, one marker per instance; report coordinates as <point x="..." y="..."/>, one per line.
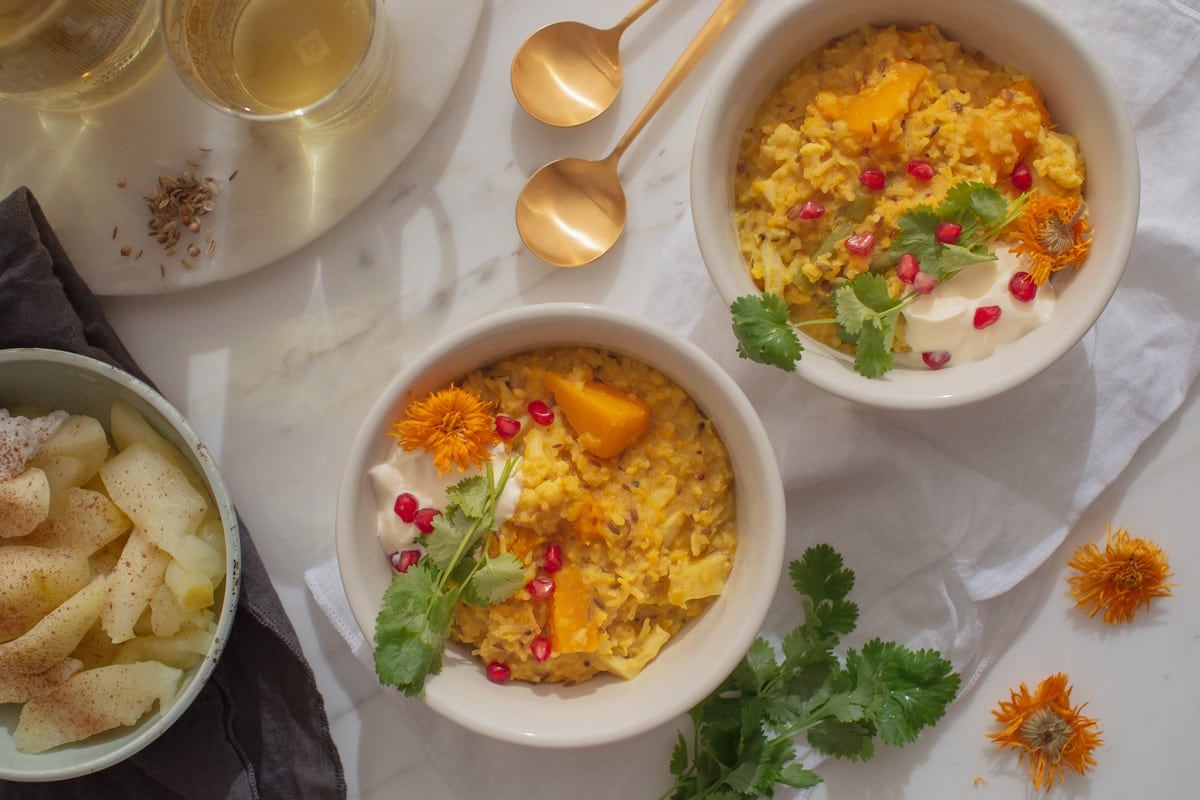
<point x="174" y="10"/>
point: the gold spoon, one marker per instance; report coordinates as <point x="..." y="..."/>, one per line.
<point x="572" y="211"/>
<point x="568" y="73"/>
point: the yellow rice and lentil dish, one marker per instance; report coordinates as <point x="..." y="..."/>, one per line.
<point x="624" y="526"/>
<point x="877" y="123"/>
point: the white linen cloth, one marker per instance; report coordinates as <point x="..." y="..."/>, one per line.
<point x="944" y="516"/>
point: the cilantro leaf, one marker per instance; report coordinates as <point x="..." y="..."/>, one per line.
<point x="496" y="580"/>
<point x="472" y="495"/>
<point x="745" y="731"/>
<point x="821" y="574"/>
<point x="873" y="356"/>
<point x="763" y="331"/>
<point x="411" y="629"/>
<point x="915" y="687"/>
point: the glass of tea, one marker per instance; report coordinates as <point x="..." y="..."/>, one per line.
<point x="74" y="54"/>
<point x="324" y="62"/>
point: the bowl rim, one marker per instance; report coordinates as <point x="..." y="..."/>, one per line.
<point x="824" y="367"/>
<point x="142" y="734"/>
<point x="772" y="535"/>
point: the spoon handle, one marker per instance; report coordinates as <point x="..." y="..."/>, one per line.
<point x="688" y="59"/>
<point x="632" y="16"/>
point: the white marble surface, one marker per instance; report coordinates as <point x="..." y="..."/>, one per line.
<point x="276" y="367"/>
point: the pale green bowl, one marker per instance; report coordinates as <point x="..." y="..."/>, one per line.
<point x="59" y="380"/>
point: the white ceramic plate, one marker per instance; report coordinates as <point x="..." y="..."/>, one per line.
<point x="286" y="193"/>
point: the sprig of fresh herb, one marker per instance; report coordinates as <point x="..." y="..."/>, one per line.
<point x="418" y="606"/>
<point x="865" y="313"/>
<point x="743" y="743"/>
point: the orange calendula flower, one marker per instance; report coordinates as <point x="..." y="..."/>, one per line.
<point x="1128" y="574"/>
<point x="1044" y="727"/>
<point x="1052" y="234"/>
<point x="454" y="425"/>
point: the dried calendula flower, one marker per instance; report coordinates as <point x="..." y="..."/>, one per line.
<point x="1052" y="233"/>
<point x="1044" y="727"/>
<point x="1128" y="574"/>
<point x="454" y="425"/>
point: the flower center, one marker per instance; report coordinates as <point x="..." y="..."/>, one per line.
<point x="1129" y="577"/>
<point x="1057" y="235"/>
<point x="1046" y="731"/>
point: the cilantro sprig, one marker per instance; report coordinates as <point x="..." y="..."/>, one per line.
<point x="865" y="313"/>
<point x="414" y="622"/>
<point x="745" y="732"/>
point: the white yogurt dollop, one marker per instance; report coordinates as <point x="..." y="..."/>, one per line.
<point x="412" y="471"/>
<point x="944" y="319"/>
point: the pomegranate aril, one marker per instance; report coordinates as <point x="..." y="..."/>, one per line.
<point x="541" y="413"/>
<point x="498" y="673"/>
<point x="861" y="244"/>
<point x="507" y="427"/>
<point x="921" y="170"/>
<point x="809" y="209"/>
<point x="540" y="648"/>
<point x="935" y="359"/>
<point x="907" y="267"/>
<point x="403" y="559"/>
<point x="1021" y="177"/>
<point x="986" y="315"/>
<point x="540" y="588"/>
<point x="1022" y="287"/>
<point x="406" y="506"/>
<point x="552" y="561"/>
<point x="872" y="179"/>
<point x="924" y="282"/>
<point x="947" y="232"/>
<point x="424" y="519"/>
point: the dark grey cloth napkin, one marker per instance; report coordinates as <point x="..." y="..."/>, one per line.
<point x="258" y="729"/>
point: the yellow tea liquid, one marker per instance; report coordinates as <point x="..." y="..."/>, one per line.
<point x="289" y="54"/>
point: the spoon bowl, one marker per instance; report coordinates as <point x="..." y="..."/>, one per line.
<point x="572" y="211"/>
<point x="568" y="73"/>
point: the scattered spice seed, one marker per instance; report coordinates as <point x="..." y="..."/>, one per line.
<point x="114" y="233"/>
<point x="212" y="248"/>
<point x="232" y="175"/>
<point x="191" y="162"/>
<point x="193" y="251"/>
<point x="126" y="250"/>
<point x="1127" y="575"/>
<point x="139" y="254"/>
<point x="176" y="202"/>
<point x="121" y="183"/>
<point x="186" y="264"/>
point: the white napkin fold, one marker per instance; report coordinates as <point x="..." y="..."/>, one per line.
<point x="944" y="516"/>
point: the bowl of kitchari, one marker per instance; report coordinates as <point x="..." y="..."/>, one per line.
<point x="560" y="525"/>
<point x="915" y="204"/>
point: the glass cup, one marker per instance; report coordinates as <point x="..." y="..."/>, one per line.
<point x="325" y="63"/>
<point x="73" y="54"/>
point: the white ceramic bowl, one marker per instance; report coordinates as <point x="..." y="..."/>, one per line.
<point x="60" y="380"/>
<point x="603" y="709"/>
<point x="1081" y="98"/>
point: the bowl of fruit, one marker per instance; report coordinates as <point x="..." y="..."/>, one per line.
<point x="118" y="565"/>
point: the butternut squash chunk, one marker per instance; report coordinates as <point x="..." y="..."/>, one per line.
<point x="571" y="627"/>
<point x="876" y="106"/>
<point x="607" y="420"/>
